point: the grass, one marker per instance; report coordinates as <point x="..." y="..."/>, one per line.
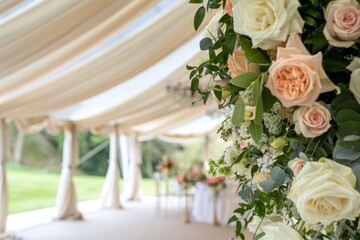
<point x="30" y="188"/>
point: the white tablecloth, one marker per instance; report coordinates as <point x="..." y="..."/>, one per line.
<point x="202" y="210"/>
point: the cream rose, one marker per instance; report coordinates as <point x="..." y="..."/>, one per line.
<point x="354" y="85"/>
<point x="342" y="23"/>
<point x="279" y="231"/>
<point x="257" y="223"/>
<point x="297" y="78"/>
<point x="296" y="165"/>
<point x="238" y="63"/>
<point x="211" y="30"/>
<point x="312" y="121"/>
<point x="267" y="22"/>
<point x="323" y="192"/>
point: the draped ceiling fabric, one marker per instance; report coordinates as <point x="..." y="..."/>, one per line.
<point x="110" y="195"/>
<point x="66" y="202"/>
<point x="3" y="186"/>
<point x="131" y="55"/>
<point x="110" y="18"/>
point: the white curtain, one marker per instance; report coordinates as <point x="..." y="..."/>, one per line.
<point x="135" y="190"/>
<point x="3" y="188"/>
<point x="124" y="156"/>
<point x="66" y="203"/>
<point x="110" y="195"/>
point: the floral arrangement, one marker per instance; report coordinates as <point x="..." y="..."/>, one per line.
<point x="287" y="74"/>
<point x="189" y="178"/>
<point x="168" y="166"/>
<point x="216" y="183"/>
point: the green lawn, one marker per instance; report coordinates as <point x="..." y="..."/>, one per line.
<point x="30" y="188"/>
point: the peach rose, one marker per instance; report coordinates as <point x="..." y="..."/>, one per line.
<point x="312" y="121"/>
<point x="342" y="23"/>
<point x="296" y="165"/>
<point x="238" y="64"/>
<point x="297" y="78"/>
<point x="228" y="7"/>
<point x="325" y="192"/>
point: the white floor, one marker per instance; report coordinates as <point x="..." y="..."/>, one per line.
<point x="137" y="221"/>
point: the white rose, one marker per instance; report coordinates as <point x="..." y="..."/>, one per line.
<point x="354" y="85"/>
<point x="231" y="154"/>
<point x="257" y="223"/>
<point x="324" y="192"/>
<point x="267" y="22"/>
<point x="279" y="231"/>
<point x="211" y="30"/>
<point x="240" y="169"/>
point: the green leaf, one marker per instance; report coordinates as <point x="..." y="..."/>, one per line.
<point x="256" y="131"/>
<point x="218" y="92"/>
<point x="253" y="55"/>
<point x="239" y="112"/>
<point x="257" y="89"/>
<point x="189" y="67"/>
<point x="259" y="111"/>
<point x="199" y="17"/>
<point x="268" y="99"/>
<point x="310" y="21"/>
<point x="196" y="1"/>
<point x="278" y="175"/>
<point x="345" y="115"/>
<point x="231" y="42"/>
<point x="256" y="151"/>
<point x="194" y="85"/>
<point x="245" y="79"/>
<point x="233" y="219"/>
<point x="259" y="236"/>
<point x="205" y="44"/>
<point x="268" y="185"/>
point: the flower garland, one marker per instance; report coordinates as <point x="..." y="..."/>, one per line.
<point x="287" y="73"/>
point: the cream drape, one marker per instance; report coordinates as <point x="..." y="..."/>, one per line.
<point x="66" y="202"/>
<point x="124" y="156"/>
<point x="8" y="5"/>
<point x="49" y="26"/>
<point x="135" y="190"/>
<point x="3" y="185"/>
<point x="122" y="14"/>
<point x="110" y="194"/>
<point x="130" y="56"/>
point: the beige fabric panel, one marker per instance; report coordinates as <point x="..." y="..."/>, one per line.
<point x="8" y="5"/>
<point x="66" y="200"/>
<point x="130" y="57"/>
<point x="3" y="184"/>
<point x="100" y="27"/>
<point x="26" y="45"/>
<point x="110" y="194"/>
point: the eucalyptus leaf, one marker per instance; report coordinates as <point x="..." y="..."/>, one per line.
<point x="205" y="43"/>
<point x="342" y="153"/>
<point x="345" y="115"/>
<point x="268" y="185"/>
<point x="278" y="176"/>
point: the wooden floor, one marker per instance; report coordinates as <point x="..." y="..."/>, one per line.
<point x="137" y="221"/>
